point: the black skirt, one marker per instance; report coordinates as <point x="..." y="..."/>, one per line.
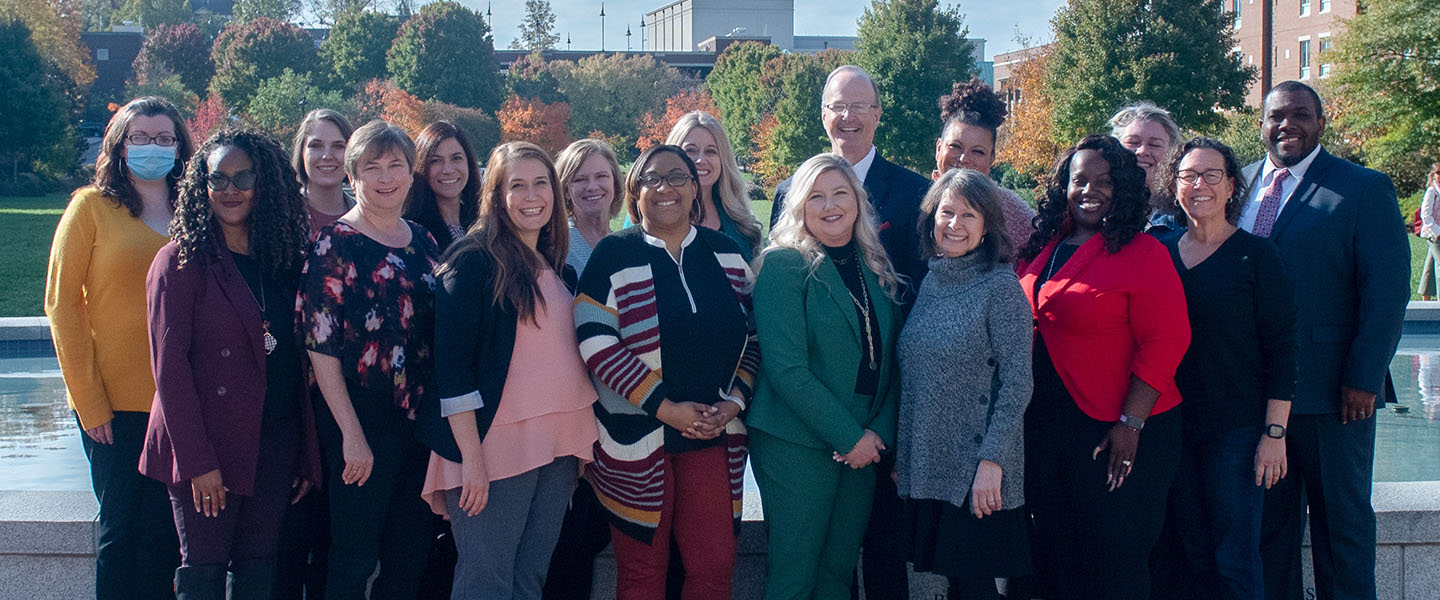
<point x="949" y="540"/>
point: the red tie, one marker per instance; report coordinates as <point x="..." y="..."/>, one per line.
<point x="1269" y="205"/>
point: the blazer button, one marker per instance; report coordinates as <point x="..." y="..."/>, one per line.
<point x="224" y="353"/>
<point x="979" y="439"/>
<point x="220" y="391"/>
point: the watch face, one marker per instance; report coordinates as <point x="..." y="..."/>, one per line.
<point x="1275" y="431"/>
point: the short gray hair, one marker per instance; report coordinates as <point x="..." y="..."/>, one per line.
<point x="1146" y="111"/>
<point x="856" y="70"/>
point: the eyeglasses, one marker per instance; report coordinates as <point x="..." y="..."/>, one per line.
<point x="243" y="181"/>
<point x="854" y="108"/>
<point x="140" y="139"/>
<point x="673" y="180"/>
<point x="1212" y="176"/>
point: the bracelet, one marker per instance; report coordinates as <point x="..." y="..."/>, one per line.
<point x="736" y="399"/>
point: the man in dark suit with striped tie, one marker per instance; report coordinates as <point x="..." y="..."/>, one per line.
<point x="1338" y="226"/>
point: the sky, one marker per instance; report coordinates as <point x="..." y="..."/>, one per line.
<point x="580" y="20"/>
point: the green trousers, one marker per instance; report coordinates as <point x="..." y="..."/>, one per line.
<point x="816" y="511"/>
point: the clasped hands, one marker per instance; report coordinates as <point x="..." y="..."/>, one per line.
<point x="698" y="421"/>
<point x="865" y="453"/>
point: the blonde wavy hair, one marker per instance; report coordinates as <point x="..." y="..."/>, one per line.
<point x="790" y="230"/>
<point x="731" y="187"/>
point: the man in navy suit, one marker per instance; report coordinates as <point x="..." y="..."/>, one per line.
<point x="850" y="110"/>
<point x="1339" y="229"/>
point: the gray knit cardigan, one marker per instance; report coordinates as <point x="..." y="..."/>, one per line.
<point x="965" y="381"/>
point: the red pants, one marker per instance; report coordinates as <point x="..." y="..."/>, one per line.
<point x="697" y="505"/>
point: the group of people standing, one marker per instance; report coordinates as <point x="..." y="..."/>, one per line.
<point x="922" y="372"/>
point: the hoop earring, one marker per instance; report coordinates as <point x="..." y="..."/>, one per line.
<point x="178" y="170"/>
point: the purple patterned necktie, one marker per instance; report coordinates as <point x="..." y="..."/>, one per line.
<point x="1270" y="205"/>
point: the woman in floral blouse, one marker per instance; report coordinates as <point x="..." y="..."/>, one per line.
<point x="367" y="309"/>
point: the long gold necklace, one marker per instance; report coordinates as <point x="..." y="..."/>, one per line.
<point x="864" y="313"/>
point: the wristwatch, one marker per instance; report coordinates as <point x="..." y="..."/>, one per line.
<point x="1275" y="431"/>
<point x="1135" y="423"/>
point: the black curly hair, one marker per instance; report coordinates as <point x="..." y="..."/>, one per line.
<point x="1165" y="180"/>
<point x="972" y="103"/>
<point x="279" y="225"/>
<point x="1129" y="204"/>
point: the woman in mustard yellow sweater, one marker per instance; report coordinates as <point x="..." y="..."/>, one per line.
<point x="95" y="298"/>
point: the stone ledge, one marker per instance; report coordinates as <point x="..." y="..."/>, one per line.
<point x="24" y="328"/>
<point x="47" y="523"/>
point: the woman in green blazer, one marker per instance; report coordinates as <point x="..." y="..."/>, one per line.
<point x="825" y="404"/>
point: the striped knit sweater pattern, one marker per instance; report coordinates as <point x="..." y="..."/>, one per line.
<point x="617" y="322"/>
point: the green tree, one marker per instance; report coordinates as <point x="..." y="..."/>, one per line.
<point x="1387" y="78"/>
<point x="280" y="10"/>
<point x="356" y="48"/>
<point x="169" y="87"/>
<point x="30" y="124"/>
<point x="914" y="50"/>
<point x="531" y="77"/>
<point x="96" y="15"/>
<point x="796" y="132"/>
<point x="54" y="27"/>
<point x="445" y="52"/>
<point x="537" y="29"/>
<point x="247" y="53"/>
<point x="1241" y="132"/>
<point x="735" y="85"/>
<point x="329" y="12"/>
<point x="182" y="50"/>
<point x="1178" y="54"/>
<point x="154" y="13"/>
<point x="611" y="93"/>
<point x="281" y="102"/>
<point x="482" y="129"/>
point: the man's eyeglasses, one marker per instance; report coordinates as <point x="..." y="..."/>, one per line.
<point x="243" y="181"/>
<point x="1212" y="176"/>
<point x="140" y="139"/>
<point x="673" y="180"/>
<point x="854" y="108"/>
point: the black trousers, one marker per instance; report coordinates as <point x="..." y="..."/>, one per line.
<point x="303" y="555"/>
<point x="1090" y="543"/>
<point x="138" y="549"/>
<point x="583" y="535"/>
<point x="1331" y="471"/>
<point x="882" y="552"/>
<point x="384" y="520"/>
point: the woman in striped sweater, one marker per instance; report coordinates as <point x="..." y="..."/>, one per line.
<point x="671" y="443"/>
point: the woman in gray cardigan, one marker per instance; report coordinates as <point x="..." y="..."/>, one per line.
<point x="965" y="382"/>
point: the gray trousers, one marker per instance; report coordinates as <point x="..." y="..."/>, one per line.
<point x="504" y="552"/>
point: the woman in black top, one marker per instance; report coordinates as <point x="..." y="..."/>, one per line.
<point x="1237" y="377"/>
<point x="445" y="198"/>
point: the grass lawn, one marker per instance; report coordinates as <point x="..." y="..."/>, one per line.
<point x="1418" y="248"/>
<point x="29" y="226"/>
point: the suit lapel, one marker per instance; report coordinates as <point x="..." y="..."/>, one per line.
<point x="829" y="275"/>
<point x="232" y="285"/>
<point x="1304" y="192"/>
<point x="877" y="181"/>
<point x="1080" y="262"/>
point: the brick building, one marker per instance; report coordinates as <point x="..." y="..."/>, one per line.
<point x="1287" y="39"/>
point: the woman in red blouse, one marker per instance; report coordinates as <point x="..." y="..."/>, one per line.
<point x="1110" y="331"/>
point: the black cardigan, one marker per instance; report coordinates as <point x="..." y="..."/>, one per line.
<point x="474" y="339"/>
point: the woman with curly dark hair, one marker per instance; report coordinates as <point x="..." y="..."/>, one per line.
<point x="95" y="298"/>
<point x="230" y="431"/>
<point x="1107" y="342"/>
<point x="972" y="115"/>
<point x="445" y="198"/>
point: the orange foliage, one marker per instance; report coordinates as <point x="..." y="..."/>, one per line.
<point x="210" y="115"/>
<point x="654" y="130"/>
<point x="1026" y="141"/>
<point x="530" y="120"/>
<point x="381" y="99"/>
<point x="768" y="169"/>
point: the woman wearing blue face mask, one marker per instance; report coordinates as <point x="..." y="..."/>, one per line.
<point x="95" y="298"/>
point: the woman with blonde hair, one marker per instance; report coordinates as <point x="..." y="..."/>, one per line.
<point x="825" y="403"/>
<point x="590" y="181"/>
<point x="724" y="196"/>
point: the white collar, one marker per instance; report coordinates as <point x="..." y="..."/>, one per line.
<point x="862" y="168"/>
<point x="659" y="243"/>
<point x="1297" y="172"/>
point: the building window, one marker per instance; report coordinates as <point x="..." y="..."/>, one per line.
<point x="1324" y="66"/>
<point x="1304" y="59"/>
<point x="1324" y="6"/>
<point x="102" y="54"/>
<point x="1304" y="8"/>
<point x="1235" y="9"/>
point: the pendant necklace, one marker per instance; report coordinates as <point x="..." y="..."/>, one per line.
<point x="270" y="341"/>
<point x="864" y="314"/>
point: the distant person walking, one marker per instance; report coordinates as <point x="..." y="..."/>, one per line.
<point x="95" y="298"/>
<point x="1430" y="230"/>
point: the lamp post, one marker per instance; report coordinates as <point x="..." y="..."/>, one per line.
<point x="627" y="37"/>
<point x="642" y="32"/>
<point x="602" y="26"/>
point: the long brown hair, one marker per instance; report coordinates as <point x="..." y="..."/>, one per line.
<point x="421" y="206"/>
<point x="112" y="176"/>
<point x="516" y="267"/>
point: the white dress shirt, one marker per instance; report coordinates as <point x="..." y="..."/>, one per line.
<point x="1287" y="187"/>
<point x="862" y="168"/>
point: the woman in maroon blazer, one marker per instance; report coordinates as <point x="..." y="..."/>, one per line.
<point x="1111" y="328"/>
<point x="230" y="433"/>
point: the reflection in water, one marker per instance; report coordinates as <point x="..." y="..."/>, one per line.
<point x="40" y="445"/>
